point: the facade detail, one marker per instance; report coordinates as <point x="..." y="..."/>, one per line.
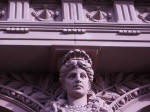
<point x="46" y="14"/>
<point x="98" y="16"/>
<point x="105" y="42"/>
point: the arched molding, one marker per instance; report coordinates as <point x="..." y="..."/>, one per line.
<point x="9" y="107"/>
<point x="18" y="101"/>
<point x="137" y="104"/>
<point x="128" y="102"/>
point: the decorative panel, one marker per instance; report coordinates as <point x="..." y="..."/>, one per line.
<point x="98" y="11"/>
<point x="46" y="12"/>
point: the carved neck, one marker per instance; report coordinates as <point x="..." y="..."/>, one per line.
<point x="77" y="101"/>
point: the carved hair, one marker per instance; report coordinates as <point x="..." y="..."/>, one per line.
<point x="76" y="59"/>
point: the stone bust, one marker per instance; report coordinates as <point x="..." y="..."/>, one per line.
<point x="76" y="76"/>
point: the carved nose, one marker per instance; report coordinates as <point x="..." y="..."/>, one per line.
<point x="78" y="81"/>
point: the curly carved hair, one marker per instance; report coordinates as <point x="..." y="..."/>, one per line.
<point x="76" y="59"/>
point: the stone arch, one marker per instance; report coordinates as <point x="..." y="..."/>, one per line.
<point x="133" y="101"/>
<point x="145" y="109"/>
<point x="13" y="100"/>
<point x="137" y="105"/>
<point x="6" y="106"/>
<point x="3" y="109"/>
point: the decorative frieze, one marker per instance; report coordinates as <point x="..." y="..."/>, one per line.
<point x="73" y="11"/>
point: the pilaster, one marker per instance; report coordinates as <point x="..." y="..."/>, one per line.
<point x="72" y="10"/>
<point x="18" y="10"/>
<point x="125" y="11"/>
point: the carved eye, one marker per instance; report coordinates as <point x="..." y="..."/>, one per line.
<point x="72" y="76"/>
<point x="83" y="75"/>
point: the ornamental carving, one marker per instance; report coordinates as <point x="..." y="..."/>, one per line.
<point x="38" y="91"/>
<point x="46" y="13"/>
<point x="144" y="15"/>
<point x="103" y="92"/>
<point x="98" y="15"/>
<point x="76" y="77"/>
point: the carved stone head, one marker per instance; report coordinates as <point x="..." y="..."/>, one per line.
<point x="76" y="59"/>
<point x="76" y="74"/>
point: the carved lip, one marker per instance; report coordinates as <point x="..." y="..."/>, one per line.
<point x="78" y="86"/>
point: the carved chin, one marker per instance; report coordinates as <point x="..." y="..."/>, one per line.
<point x="78" y="93"/>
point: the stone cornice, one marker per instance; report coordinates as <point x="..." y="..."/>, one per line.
<point x="129" y="29"/>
